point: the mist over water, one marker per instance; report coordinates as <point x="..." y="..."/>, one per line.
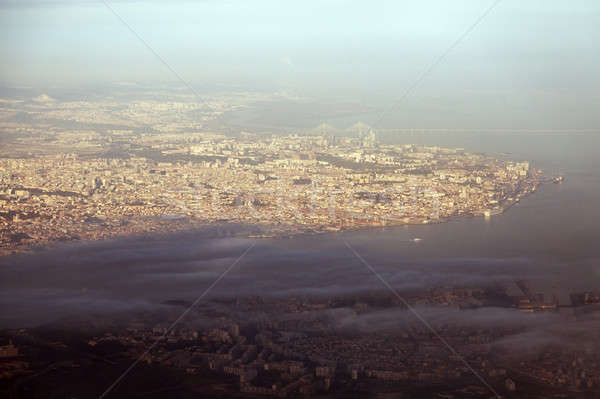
<point x="548" y="238"/>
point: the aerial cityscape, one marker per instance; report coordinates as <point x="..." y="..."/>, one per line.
<point x="124" y="182"/>
<point x="321" y="199"/>
<point x="132" y="180"/>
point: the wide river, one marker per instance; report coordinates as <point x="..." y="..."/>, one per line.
<point x="552" y="238"/>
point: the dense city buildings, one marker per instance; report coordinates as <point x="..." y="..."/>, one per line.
<point x="70" y="185"/>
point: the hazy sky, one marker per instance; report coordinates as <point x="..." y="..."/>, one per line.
<point x="537" y="51"/>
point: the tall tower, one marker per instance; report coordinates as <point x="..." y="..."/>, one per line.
<point x="369" y="139"/>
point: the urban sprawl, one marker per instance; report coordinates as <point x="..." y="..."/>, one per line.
<point x="135" y="183"/>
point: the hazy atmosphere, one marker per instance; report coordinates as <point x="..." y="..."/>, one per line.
<point x="531" y="64"/>
<point x="251" y="199"/>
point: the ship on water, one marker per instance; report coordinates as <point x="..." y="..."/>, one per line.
<point x="491" y="212"/>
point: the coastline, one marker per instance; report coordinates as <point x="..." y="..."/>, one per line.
<point x="184" y="224"/>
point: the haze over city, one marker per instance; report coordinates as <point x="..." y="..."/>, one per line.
<point x="317" y="199"/>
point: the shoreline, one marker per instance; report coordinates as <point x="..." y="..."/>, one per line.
<point x="259" y="231"/>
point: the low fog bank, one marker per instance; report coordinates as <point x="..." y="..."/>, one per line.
<point x="142" y="273"/>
